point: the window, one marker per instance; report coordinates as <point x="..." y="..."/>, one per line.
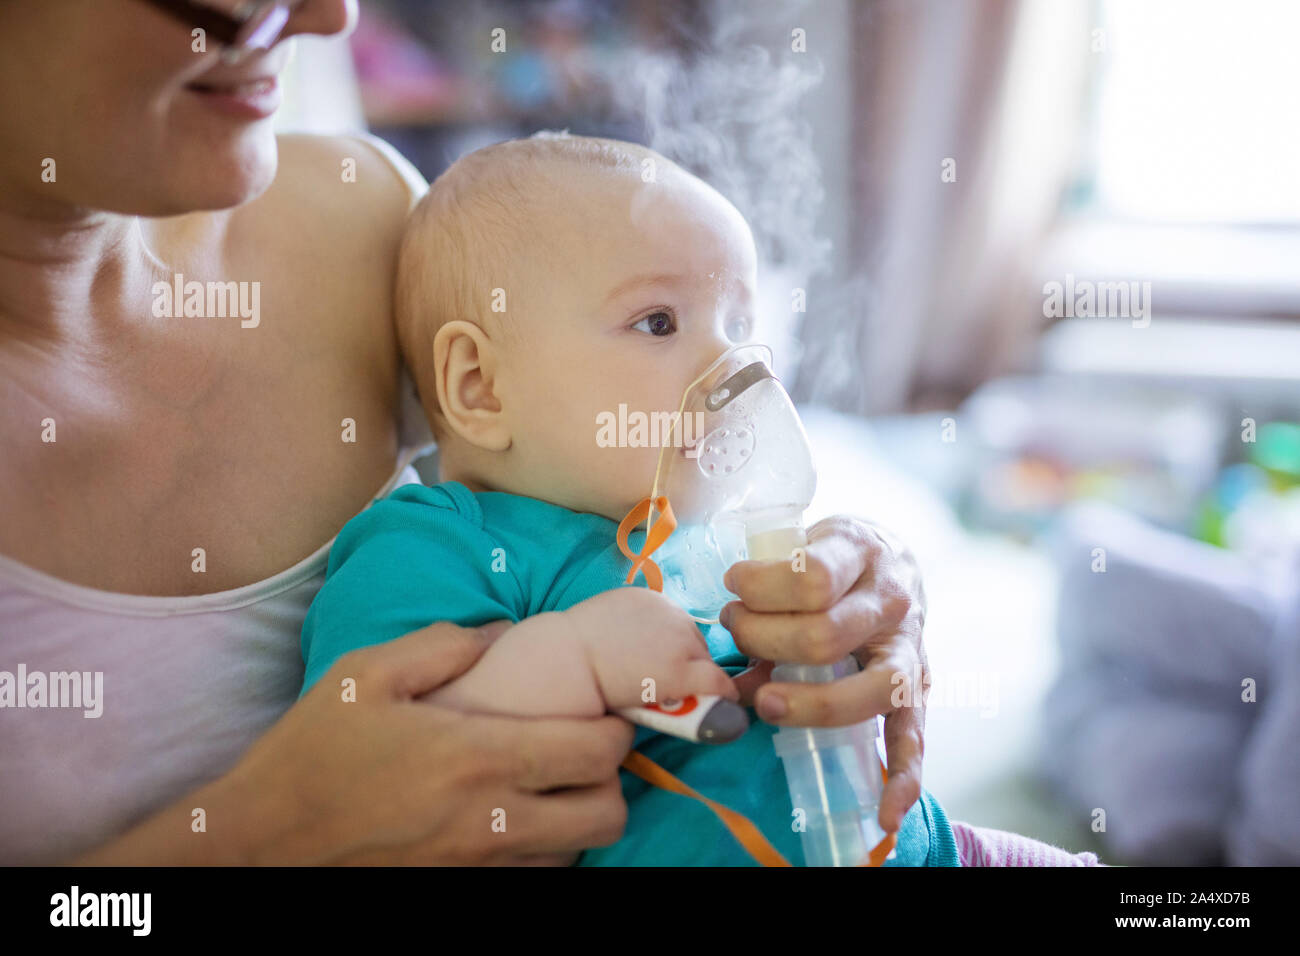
<point x="1189" y="173"/>
<point x="1198" y="112"/>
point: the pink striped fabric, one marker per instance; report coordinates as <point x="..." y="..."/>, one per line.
<point x="981" y="846"/>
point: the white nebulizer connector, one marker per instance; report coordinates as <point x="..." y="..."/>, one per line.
<point x="834" y="773"/>
<point x="835" y="778"/>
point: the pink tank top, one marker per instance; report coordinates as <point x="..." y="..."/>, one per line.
<point x="188" y="683"/>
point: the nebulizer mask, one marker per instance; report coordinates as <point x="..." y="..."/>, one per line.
<point x="734" y="477"/>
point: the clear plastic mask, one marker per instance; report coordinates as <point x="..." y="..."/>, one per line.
<point x="733" y="483"/>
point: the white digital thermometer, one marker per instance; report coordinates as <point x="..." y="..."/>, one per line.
<point x="705" y="718"/>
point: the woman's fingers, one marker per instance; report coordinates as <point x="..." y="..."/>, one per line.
<point x="882" y="686"/>
<point x="904" y="749"/>
<point x="537" y="755"/>
<point x="849" y="700"/>
<point x="564" y="822"/>
<point x="418" y="662"/>
<point x="838" y="551"/>
<point x="531" y="788"/>
<point x="854" y="588"/>
<point x="909" y="681"/>
<point x="812" y="637"/>
<point x="748" y="681"/>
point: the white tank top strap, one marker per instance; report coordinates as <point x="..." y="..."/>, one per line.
<point x="175" y="689"/>
<point x="135" y="605"/>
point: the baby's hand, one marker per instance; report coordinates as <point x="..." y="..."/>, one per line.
<point x="643" y="649"/>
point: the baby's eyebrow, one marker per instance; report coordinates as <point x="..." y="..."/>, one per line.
<point x="637" y="282"/>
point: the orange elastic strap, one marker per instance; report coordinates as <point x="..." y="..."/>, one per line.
<point x="749" y="836"/>
<point x="740" y="827"/>
<point x="882" y="849"/>
<point x="656" y="535"/>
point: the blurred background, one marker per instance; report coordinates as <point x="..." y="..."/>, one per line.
<point x="1032" y="271"/>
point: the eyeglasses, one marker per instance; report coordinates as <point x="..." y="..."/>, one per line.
<point x="254" y="25"/>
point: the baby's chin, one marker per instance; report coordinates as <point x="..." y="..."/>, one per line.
<point x="610" y="489"/>
<point x="613" y="509"/>
<point x="578" y="495"/>
<point x="609" y="484"/>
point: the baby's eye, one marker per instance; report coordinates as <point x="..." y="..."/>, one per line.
<point x="658" y="323"/>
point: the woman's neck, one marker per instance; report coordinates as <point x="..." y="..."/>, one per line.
<point x="63" y="269"/>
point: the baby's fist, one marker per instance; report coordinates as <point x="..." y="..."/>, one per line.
<point x="644" y="649"/>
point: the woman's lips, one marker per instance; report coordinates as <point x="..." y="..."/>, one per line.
<point x="250" y="99"/>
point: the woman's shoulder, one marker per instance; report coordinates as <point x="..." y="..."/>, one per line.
<point x="338" y="199"/>
<point x="327" y="232"/>
<point x="310" y="163"/>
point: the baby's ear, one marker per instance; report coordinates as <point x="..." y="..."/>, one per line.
<point x="465" y="366"/>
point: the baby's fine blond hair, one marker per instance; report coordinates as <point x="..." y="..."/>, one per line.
<point x="476" y="225"/>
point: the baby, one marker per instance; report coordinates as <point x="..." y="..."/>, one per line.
<point x="542" y="282"/>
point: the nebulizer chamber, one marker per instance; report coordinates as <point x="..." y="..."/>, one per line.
<point x="739" y="478"/>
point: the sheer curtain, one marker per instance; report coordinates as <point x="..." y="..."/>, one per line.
<point x="967" y="121"/>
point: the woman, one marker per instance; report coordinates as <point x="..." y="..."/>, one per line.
<point x="173" y="472"/>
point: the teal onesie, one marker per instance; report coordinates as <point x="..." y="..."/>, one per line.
<point x="444" y="553"/>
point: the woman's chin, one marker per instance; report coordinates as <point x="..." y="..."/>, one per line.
<point x="234" y="192"/>
<point x="217" y="164"/>
<point x="222" y="183"/>
<point x="237" y="177"/>
<point x="193" y="181"/>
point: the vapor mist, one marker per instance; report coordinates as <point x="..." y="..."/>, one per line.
<point x="729" y="110"/>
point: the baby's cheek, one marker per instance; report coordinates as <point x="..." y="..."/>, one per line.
<point x="623" y="477"/>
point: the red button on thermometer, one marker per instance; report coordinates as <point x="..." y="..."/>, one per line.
<point x="706" y="719"/>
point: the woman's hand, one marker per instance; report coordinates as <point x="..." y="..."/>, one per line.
<point x="859" y="593"/>
<point x="390" y="779"/>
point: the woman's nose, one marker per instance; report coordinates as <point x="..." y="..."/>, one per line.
<point x="324" y="17"/>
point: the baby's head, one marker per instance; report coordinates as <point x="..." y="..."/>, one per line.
<point x="545" y="281"/>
